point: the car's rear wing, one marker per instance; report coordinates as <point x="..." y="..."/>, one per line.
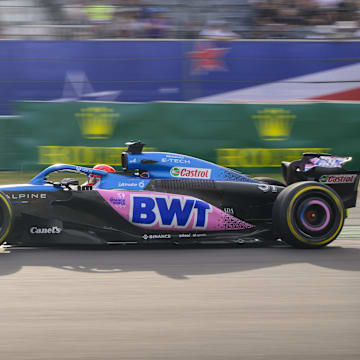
<point x="326" y="169"/>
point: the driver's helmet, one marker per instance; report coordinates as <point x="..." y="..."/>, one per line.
<point x="94" y="179"/>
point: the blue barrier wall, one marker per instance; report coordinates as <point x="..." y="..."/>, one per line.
<point x="159" y="70"/>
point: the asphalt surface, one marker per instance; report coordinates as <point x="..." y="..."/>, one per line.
<point x="174" y="303"/>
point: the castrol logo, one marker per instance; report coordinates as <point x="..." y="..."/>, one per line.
<point x="337" y="179"/>
<point x="190" y="173"/>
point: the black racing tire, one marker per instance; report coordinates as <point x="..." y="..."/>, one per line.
<point x="6" y="217"/>
<point x="269" y="181"/>
<point x="308" y="215"/>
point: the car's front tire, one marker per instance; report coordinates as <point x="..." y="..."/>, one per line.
<point x="308" y="215"/>
<point x="6" y="217"/>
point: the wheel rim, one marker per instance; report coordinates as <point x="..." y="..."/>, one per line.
<point x="316" y="217"/>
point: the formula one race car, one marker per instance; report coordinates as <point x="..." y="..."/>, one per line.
<point x="165" y="197"/>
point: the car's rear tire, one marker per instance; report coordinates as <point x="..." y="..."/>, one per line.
<point x="308" y="215"/>
<point x="6" y="217"/>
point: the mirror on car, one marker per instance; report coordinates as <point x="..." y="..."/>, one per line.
<point x="69" y="181"/>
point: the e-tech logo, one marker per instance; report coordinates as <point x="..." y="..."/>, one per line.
<point x="192" y="173"/>
<point x="169" y="212"/>
<point x="176" y="160"/>
<point x="337" y="179"/>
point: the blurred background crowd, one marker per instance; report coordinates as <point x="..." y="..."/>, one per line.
<point x="183" y="19"/>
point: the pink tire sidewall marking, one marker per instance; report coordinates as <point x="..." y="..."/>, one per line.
<point x="327" y="219"/>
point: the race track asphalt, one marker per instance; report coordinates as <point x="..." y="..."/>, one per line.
<point x="173" y="303"/>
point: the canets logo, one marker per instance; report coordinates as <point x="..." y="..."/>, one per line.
<point x="97" y="122"/>
<point x="274" y="124"/>
<point x="41" y="231"/>
<point x="192" y="173"/>
<point x="337" y="179"/>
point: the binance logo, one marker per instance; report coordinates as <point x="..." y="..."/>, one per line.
<point x="274" y="124"/>
<point x="97" y="122"/>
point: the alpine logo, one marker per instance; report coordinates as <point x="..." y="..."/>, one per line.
<point x="26" y="196"/>
<point x="169" y="212"/>
<point x="41" y="231"/>
<point x="337" y="179"/>
<point x="192" y="173"/>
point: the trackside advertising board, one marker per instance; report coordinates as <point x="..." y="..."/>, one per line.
<point x="249" y="137"/>
<point x="176" y="70"/>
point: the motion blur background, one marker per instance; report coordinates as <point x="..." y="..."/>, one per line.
<point x="244" y="83"/>
<point x="247" y="19"/>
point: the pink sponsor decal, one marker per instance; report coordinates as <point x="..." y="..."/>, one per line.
<point x="162" y="211"/>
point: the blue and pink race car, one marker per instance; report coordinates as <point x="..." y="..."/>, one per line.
<point x="164" y="197"/>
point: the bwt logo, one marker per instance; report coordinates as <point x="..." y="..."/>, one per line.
<point x="173" y="212"/>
